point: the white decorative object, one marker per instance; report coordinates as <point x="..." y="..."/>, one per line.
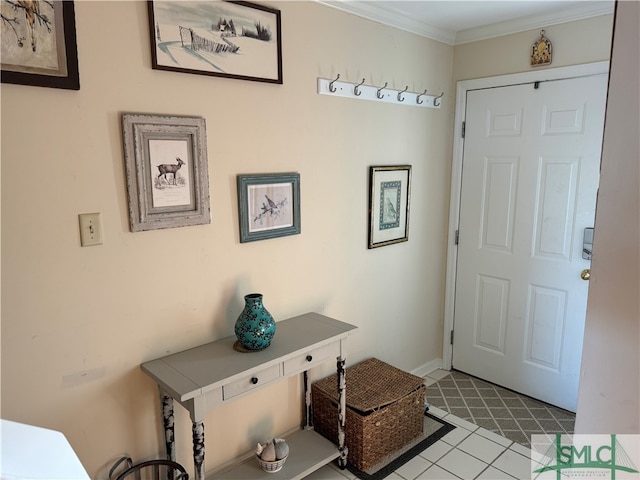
<point x="272" y="455"/>
<point x="378" y="93"/>
<point x="36" y="453"/>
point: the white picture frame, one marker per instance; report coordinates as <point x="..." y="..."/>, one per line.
<point x="167" y="171"/>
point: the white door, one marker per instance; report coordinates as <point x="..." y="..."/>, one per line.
<point x="529" y="183"/>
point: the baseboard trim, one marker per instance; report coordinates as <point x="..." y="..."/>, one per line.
<point x="428" y="367"/>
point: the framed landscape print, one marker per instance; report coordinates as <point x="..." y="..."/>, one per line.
<point x="389" y="198"/>
<point x="39" y="44"/>
<point x="167" y="174"/>
<point x="268" y="205"/>
<point x="239" y="40"/>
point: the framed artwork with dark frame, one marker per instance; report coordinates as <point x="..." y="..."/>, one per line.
<point x="389" y="198"/>
<point x="239" y="40"/>
<point x="39" y="44"/>
<point x="268" y="205"/>
<point x="167" y="171"/>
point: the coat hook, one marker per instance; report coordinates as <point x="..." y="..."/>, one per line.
<point x="400" y="97"/>
<point x="437" y="98"/>
<point x="356" y="89"/>
<point x="380" y="89"/>
<point x="332" y="89"/>
<point x="418" y="101"/>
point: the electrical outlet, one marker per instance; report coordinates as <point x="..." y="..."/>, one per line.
<point x="90" y="229"/>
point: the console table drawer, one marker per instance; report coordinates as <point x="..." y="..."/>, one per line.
<point x="313" y="357"/>
<point x="251" y="382"/>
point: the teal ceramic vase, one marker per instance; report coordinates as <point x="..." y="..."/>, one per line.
<point x="255" y="326"/>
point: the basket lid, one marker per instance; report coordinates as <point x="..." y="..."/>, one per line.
<point x="371" y="384"/>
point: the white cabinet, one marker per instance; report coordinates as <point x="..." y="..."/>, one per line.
<point x="204" y="377"/>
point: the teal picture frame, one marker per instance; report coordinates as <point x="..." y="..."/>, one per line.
<point x="268" y="206"/>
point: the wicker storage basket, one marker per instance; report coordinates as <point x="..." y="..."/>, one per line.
<point x="385" y="408"/>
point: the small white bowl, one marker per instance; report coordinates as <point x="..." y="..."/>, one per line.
<point x="272" y="467"/>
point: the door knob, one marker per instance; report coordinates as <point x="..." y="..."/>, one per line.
<point x="585" y="274"/>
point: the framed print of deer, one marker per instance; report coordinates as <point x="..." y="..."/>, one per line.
<point x="167" y="171"/>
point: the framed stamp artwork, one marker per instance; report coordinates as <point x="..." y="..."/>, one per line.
<point x="167" y="171"/>
<point x="389" y="199"/>
<point x="268" y="205"/>
<point x="39" y="44"/>
<point x="238" y="40"/>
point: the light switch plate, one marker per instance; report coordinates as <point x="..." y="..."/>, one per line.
<point x="90" y="229"/>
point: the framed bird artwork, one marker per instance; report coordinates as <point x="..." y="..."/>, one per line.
<point x="268" y="205"/>
<point x="389" y="197"/>
<point x="39" y="45"/>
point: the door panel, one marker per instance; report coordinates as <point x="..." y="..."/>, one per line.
<point x="529" y="182"/>
<point x="500" y="176"/>
<point x="491" y="308"/>
<point x="566" y="119"/>
<point x="504" y="123"/>
<point x="545" y="322"/>
<point x="555" y="206"/>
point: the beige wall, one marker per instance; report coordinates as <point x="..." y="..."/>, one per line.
<point x="609" y="398"/>
<point x="574" y="43"/>
<point x="103" y="310"/>
<point x="68" y="310"/>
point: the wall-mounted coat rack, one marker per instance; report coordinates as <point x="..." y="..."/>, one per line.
<point x="379" y="93"/>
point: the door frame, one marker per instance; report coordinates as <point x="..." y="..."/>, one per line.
<point x="462" y="88"/>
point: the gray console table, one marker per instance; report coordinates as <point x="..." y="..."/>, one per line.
<point x="205" y="377"/>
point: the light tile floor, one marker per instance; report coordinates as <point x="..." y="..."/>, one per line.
<point x="469" y="452"/>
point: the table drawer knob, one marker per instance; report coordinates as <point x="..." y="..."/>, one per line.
<point x="254" y="380"/>
<point x="309" y="358"/>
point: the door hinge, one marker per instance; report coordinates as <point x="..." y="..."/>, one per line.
<point x="451" y="337"/>
<point x="457" y="237"/>
<point x="464" y="128"/>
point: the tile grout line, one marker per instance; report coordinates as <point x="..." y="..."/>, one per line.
<point x="498" y="468"/>
<point x="485" y="403"/>
<point x="444" y="398"/>
<point x="464" y="400"/>
<point x="512" y="415"/>
<point x="536" y="420"/>
<point x="489" y="409"/>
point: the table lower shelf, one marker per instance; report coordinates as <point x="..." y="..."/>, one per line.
<point x="308" y="451"/>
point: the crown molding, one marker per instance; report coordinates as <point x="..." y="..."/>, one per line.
<point x="570" y="14"/>
<point x="371" y="11"/>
